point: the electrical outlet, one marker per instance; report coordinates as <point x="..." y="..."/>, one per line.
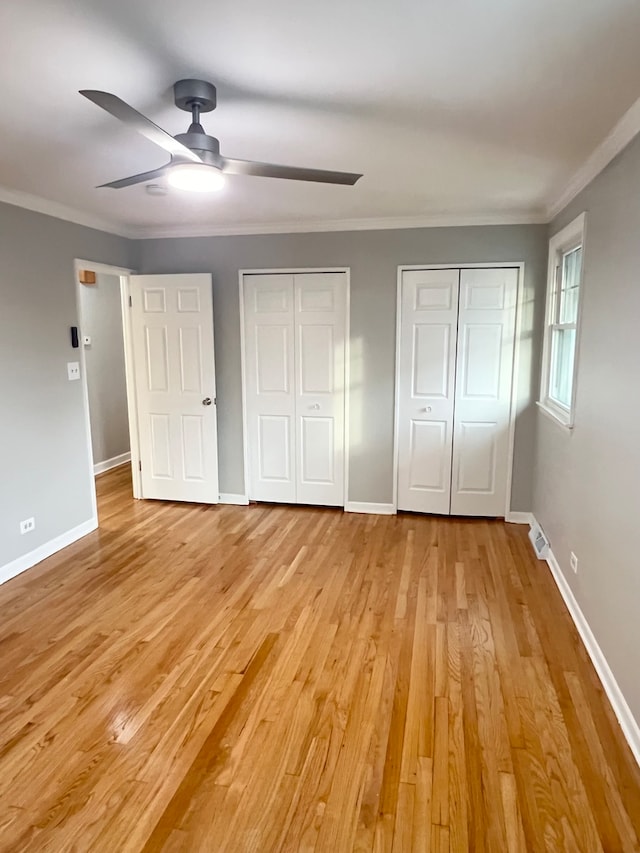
<point x="27" y="525"/>
<point x="73" y="370"/>
<point x="573" y="562"/>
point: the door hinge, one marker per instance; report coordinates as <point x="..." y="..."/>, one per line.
<point x="139" y="465"/>
<point x="130" y="302"/>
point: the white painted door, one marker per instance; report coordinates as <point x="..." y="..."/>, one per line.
<point x="294" y="330"/>
<point x="484" y="373"/>
<point x="320" y="393"/>
<point x="426" y="386"/>
<point x="457" y="337"/>
<point x="270" y="386"/>
<point x="172" y="331"/>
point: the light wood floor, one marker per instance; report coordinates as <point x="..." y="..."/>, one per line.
<point x="264" y="679"/>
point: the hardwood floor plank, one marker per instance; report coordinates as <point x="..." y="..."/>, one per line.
<point x="274" y="678"/>
<point x="208" y="754"/>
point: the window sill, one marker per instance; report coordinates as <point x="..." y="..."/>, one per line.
<point x="555" y="417"/>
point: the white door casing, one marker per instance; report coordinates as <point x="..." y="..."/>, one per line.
<point x="426" y="378"/>
<point x="172" y="332"/>
<point x="294" y="375"/>
<point x="484" y="374"/>
<point x="320" y="394"/>
<point x="270" y="386"/>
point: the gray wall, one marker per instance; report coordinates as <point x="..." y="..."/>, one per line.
<point x="587" y="482"/>
<point x="373" y="257"/>
<point x="101" y="318"/>
<point x="44" y="468"/>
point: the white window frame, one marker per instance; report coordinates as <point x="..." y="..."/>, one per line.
<point x="571" y="237"/>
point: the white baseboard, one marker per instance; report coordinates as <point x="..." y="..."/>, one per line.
<point x="628" y="723"/>
<point x="27" y="561"/>
<point x="108" y="464"/>
<point x="370" y="509"/>
<point x="519" y="518"/>
<point x="238" y="500"/>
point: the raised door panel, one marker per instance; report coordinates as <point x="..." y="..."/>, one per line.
<point x="431" y="360"/>
<point x="425" y="393"/>
<point x="193" y="457"/>
<point x="320" y="318"/>
<point x="481" y="367"/>
<point x="269" y="386"/>
<point x="190" y="357"/>
<point x="428" y="469"/>
<point x="160" y="454"/>
<point x="274" y="457"/>
<point x="316" y="359"/>
<point x="317" y="451"/>
<point x="476" y="458"/>
<point x="272" y="356"/>
<point x="172" y="330"/>
<point x="156" y="357"/>
<point x="486" y="333"/>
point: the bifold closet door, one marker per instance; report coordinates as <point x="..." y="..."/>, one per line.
<point x="270" y="395"/>
<point x="457" y="336"/>
<point x="484" y="374"/>
<point x="427" y="353"/>
<point x="320" y="314"/>
<point x="295" y="386"/>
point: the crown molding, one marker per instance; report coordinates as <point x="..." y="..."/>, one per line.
<point x="61" y="211"/>
<point x="514" y="217"/>
<point x="620" y="136"/>
<point x="159" y="232"/>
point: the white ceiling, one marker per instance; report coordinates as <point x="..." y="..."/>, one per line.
<point x="452" y="108"/>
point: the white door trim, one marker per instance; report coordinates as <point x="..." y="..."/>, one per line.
<point x="347" y="363"/>
<point x="123" y="273"/>
<point x="132" y="395"/>
<point x="519" y="265"/>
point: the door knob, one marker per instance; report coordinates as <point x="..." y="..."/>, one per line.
<point x="427" y="409"/>
<point x="206" y="401"/>
<point x="315" y="406"/>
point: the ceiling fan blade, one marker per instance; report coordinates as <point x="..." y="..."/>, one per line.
<point x="136" y="121"/>
<point x="136" y="179"/>
<point x="293" y="173"/>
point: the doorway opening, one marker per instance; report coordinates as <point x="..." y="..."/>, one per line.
<point x="106" y="369"/>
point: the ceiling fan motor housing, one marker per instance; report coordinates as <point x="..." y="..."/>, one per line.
<point x="207" y="147"/>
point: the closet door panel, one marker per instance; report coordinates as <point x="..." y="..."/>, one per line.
<point x="428" y="455"/>
<point x="273" y="458"/>
<point x="486" y="336"/>
<point x="317" y="451"/>
<point x="270" y="383"/>
<point x="320" y="313"/>
<point x="426" y="385"/>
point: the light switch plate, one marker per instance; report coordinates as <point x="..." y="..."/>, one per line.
<point x="73" y="370"/>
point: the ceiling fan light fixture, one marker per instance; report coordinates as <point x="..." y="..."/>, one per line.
<point x="196" y="177"/>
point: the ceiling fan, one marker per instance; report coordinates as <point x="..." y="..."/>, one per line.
<point x="196" y="163"/>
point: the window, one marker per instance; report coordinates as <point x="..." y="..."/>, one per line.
<point x="559" y="363"/>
